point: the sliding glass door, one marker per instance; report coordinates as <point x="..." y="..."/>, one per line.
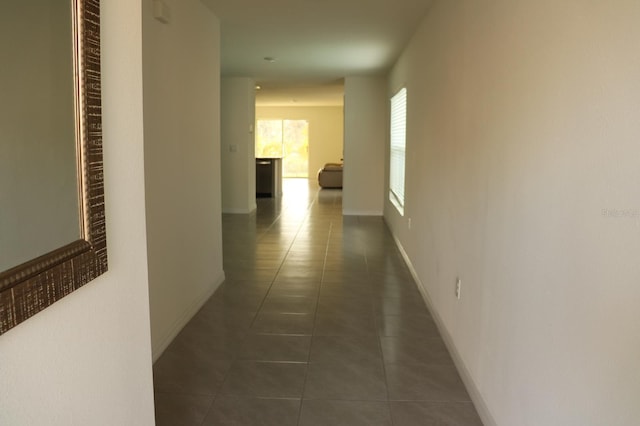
<point x="288" y="139"/>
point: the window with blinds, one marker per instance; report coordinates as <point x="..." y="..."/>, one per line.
<point x="397" y="149"/>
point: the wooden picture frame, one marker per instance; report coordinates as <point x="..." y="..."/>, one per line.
<point x="32" y="286"/>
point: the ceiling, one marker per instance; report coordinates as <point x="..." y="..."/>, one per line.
<point x="314" y="43"/>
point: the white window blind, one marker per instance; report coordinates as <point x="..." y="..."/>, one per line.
<point x="397" y="148"/>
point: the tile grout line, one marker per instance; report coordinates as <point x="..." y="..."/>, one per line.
<point x="284" y="258"/>
<point x="234" y="360"/>
<point x="376" y="319"/>
<point x="315" y="315"/>
<point x="293" y="240"/>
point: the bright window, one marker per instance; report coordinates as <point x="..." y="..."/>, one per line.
<point x="398" y="149"/>
<point x="288" y="139"/>
<point x="269" y="139"/>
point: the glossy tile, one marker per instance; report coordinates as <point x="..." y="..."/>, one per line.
<point x="409" y="350"/>
<point x="344" y="413"/>
<point x="335" y="264"/>
<point x="239" y="285"/>
<point x="296" y="273"/>
<point x="222" y="321"/>
<point x="254" y="263"/>
<point x="438" y="383"/>
<point x="265" y="379"/>
<point x="306" y="255"/>
<point x="434" y="414"/>
<point x="402" y="290"/>
<point x="303" y="289"/>
<point x="353" y="349"/>
<point x="251" y="274"/>
<point x="290" y="304"/>
<point x="345" y="305"/>
<point x="349" y="381"/>
<point x="240" y="300"/>
<point x="346" y="290"/>
<point x="196" y="343"/>
<point x="344" y="324"/>
<point x="345" y="275"/>
<point x="177" y="373"/>
<point x="312" y="280"/>
<point x="181" y="409"/>
<point x="417" y="326"/>
<point x="274" y="347"/>
<point x="312" y="264"/>
<point x="232" y="306"/>
<point x="399" y="305"/>
<point x="319" y="322"/>
<point x="342" y="256"/>
<point x="228" y="411"/>
<point x="277" y="323"/>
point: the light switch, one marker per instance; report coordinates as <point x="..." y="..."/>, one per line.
<point x="233" y="148"/>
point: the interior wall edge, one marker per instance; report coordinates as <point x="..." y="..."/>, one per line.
<point x="186" y="316"/>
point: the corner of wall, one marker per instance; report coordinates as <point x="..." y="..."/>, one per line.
<point x="198" y="301"/>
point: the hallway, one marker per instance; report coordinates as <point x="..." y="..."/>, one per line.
<point x="318" y="323"/>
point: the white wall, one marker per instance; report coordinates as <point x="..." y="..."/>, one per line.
<point x="237" y="149"/>
<point x="87" y="358"/>
<point x="182" y="163"/>
<point x="365" y="136"/>
<point x="326" y="131"/>
<point x="522" y="179"/>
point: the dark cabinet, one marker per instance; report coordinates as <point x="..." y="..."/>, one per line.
<point x="268" y="177"/>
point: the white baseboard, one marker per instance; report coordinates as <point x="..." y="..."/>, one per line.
<point x="179" y="324"/>
<point x="239" y="211"/>
<point x="472" y="388"/>
<point x="362" y="212"/>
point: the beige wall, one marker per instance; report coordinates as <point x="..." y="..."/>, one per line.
<point x="522" y="179"/>
<point x="366" y="130"/>
<point x="182" y="164"/>
<point x="325" y="131"/>
<point x="237" y="149"/>
<point x="86" y="360"/>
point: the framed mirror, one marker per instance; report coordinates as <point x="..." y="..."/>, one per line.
<point x="52" y="207"/>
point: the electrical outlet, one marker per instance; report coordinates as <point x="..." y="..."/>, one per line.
<point x="458" y="288"/>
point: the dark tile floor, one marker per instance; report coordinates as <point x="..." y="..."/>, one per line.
<point x="318" y="323"/>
